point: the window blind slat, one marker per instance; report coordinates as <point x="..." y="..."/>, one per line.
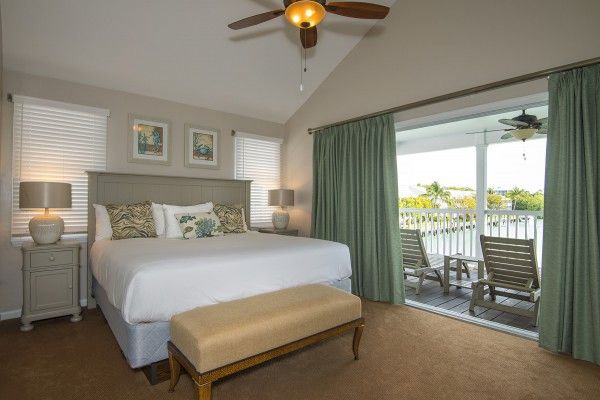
<point x="260" y="161"/>
<point x="55" y="144"/>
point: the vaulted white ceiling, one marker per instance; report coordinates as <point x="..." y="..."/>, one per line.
<point x="179" y="50"/>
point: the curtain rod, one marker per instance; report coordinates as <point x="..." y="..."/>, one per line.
<point x="466" y="92"/>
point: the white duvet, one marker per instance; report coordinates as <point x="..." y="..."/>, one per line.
<point x="152" y="279"/>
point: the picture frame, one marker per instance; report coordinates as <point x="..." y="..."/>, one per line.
<point x="202" y="146"/>
<point x="149" y="140"/>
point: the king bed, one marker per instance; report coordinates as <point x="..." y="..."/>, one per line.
<point x="139" y="284"/>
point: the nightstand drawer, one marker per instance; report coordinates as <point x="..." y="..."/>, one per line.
<point x="52" y="258"/>
<point x="51" y="289"/>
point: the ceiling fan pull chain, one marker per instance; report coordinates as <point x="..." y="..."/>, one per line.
<point x="305" y="57"/>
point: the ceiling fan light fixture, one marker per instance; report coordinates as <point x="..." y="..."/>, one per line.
<point x="524" y="134"/>
<point x="305" y="14"/>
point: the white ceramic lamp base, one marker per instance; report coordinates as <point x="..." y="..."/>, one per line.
<point x="280" y="219"/>
<point x="46" y="229"/>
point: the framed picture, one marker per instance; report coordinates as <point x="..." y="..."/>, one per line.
<point x="201" y="147"/>
<point x="149" y="140"/>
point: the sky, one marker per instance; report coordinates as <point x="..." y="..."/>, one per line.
<point x="457" y="167"/>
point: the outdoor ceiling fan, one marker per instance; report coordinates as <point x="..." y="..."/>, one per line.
<point x="525" y="126"/>
<point x="307" y="14"/>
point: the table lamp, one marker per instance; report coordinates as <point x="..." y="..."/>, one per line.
<point x="281" y="198"/>
<point x="46" y="228"/>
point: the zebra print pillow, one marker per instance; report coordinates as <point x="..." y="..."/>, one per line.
<point x="130" y="221"/>
<point x="232" y="218"/>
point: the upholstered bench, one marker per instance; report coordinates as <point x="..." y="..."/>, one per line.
<point x="215" y="341"/>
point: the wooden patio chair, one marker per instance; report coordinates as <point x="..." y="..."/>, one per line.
<point x="511" y="265"/>
<point x="415" y="260"/>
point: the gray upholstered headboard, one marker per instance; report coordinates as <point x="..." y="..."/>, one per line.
<point x="113" y="188"/>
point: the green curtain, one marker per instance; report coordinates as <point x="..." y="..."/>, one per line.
<point x="570" y="301"/>
<point x="355" y="201"/>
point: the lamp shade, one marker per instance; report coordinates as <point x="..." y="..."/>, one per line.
<point x="524" y="134"/>
<point x="305" y="13"/>
<point x="44" y="195"/>
<point x="281" y="197"/>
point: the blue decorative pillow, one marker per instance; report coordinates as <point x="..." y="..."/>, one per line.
<point x="199" y="225"/>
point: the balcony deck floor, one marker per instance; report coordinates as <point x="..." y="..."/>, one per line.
<point x="458" y="301"/>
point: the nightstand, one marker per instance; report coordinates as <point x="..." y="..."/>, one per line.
<point x="286" y="232"/>
<point x="50" y="282"/>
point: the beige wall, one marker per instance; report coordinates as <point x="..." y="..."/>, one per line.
<point x="427" y="48"/>
<point x="119" y="104"/>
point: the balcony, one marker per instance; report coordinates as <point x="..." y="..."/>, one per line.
<point x="456" y="231"/>
<point x="453" y="230"/>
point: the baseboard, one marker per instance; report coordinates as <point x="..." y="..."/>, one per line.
<point x="12" y="314"/>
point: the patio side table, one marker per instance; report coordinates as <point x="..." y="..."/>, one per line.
<point x="459" y="282"/>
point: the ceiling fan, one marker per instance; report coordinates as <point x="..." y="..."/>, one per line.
<point x="525" y="126"/>
<point x="307" y="14"/>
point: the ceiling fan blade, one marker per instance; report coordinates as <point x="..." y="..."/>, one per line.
<point x="543" y="121"/>
<point x="255" y="19"/>
<point x="512" y="122"/>
<point x="506" y="136"/>
<point x="308" y="37"/>
<point x="358" y="9"/>
<point x="542" y="131"/>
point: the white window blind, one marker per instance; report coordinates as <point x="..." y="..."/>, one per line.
<point x="56" y="142"/>
<point x="258" y="158"/>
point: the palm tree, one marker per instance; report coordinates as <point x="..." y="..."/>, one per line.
<point x="513" y="194"/>
<point x="437" y="193"/>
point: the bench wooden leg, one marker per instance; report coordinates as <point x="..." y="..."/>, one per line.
<point x="356" y="341"/>
<point x="205" y="391"/>
<point x="175" y="371"/>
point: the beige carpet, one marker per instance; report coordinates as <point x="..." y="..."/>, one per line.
<point x="405" y="354"/>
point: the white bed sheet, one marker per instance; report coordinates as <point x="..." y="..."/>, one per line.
<point x="152" y="279"/>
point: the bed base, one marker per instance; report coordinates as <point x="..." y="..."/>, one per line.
<point x="157" y="372"/>
<point x="155" y="367"/>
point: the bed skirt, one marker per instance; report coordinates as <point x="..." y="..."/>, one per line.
<point x="144" y="344"/>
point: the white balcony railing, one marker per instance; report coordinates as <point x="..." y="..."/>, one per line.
<point x="451" y="230"/>
<point x="445" y="231"/>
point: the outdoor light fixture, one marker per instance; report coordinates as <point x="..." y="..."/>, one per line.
<point x="523" y="134"/>
<point x="305" y="13"/>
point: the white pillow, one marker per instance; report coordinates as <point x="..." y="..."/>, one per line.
<point x="103" y="227"/>
<point x="159" y="219"/>
<point x="172" y="229"/>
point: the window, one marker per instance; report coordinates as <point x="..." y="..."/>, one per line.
<point x="56" y="142"/>
<point x="258" y="158"/>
